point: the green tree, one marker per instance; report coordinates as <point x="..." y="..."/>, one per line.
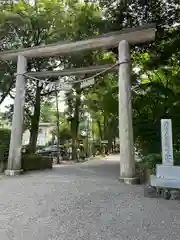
<point x="102" y="101"/>
<point x="85" y="20"/>
<point x="47" y="22"/>
<point x="48" y="112"/>
<point x="157" y="93"/>
<point x="33" y="25"/>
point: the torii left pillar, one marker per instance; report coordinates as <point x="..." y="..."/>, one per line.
<point x="14" y="159"/>
<point x="127" y="161"/>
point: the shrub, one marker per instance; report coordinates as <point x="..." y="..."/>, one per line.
<point x="36" y="162"/>
<point x="148" y="164"/>
<point x="177" y="158"/>
<point x="5" y="135"/>
<point x="141" y="171"/>
<point x="152" y="159"/>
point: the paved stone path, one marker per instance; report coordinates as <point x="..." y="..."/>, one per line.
<point x="83" y="202"/>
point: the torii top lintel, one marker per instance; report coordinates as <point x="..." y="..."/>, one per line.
<point x="136" y="35"/>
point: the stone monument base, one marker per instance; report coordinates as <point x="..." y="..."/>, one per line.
<point x="13" y="172"/>
<point x="169" y="172"/>
<point x="164" y="182"/>
<point x="166" y="177"/>
<point x="131" y="181"/>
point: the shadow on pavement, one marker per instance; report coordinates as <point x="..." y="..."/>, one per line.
<point x="98" y="168"/>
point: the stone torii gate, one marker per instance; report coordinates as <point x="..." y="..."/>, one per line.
<point x="114" y="39"/>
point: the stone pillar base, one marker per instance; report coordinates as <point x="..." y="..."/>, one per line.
<point x="13" y="172"/>
<point x="131" y="181"/>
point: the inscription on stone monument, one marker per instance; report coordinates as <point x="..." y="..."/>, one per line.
<point x="166" y="139"/>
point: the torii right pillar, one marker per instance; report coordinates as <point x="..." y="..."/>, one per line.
<point x="127" y="159"/>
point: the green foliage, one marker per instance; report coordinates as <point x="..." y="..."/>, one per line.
<point x="4" y="143"/>
<point x="36" y="162"/>
<point x="48" y="113"/>
<point x="147" y="134"/>
<point x="151" y="160"/>
<point x="156" y="97"/>
<point x="65" y="134"/>
<point x="27" y="25"/>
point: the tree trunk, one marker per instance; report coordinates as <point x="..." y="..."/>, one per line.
<point x="105" y="128"/>
<point x="58" y="128"/>
<point x="99" y="129"/>
<point x="111" y="133"/>
<point x="74" y="140"/>
<point x="35" y="121"/>
<point x="110" y="144"/>
<point x="75" y="123"/>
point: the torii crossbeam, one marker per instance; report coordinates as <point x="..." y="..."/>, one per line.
<point x="132" y="35"/>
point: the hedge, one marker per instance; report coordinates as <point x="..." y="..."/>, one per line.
<point x="36" y="162"/>
<point x="5" y="135"/>
<point x="29" y="162"/>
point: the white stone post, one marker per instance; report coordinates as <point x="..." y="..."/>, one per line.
<point x="127" y="160"/>
<point x="14" y="159"/>
<point x="166" y="141"/>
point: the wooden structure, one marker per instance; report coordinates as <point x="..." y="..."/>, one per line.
<point x="74" y="71"/>
<point x="110" y="40"/>
<point x="132" y="35"/>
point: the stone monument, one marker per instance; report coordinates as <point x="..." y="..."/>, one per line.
<point x="167" y="175"/>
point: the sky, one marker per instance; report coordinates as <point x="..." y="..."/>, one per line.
<point x="6" y="102"/>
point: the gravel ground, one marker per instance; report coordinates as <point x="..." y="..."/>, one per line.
<point x="83" y="201"/>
